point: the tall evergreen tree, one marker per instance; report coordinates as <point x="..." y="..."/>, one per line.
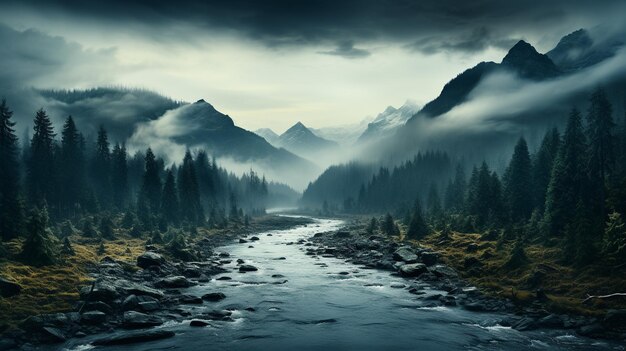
<point x="569" y="178"/>
<point x="71" y="170"/>
<point x="434" y="203"/>
<point x="41" y="173"/>
<point x="101" y="168"/>
<point x="417" y="227"/>
<point x="455" y="192"/>
<point x="39" y="249"/>
<point x="601" y="159"/>
<point x="518" y="183"/>
<point x="190" y="206"/>
<point x="542" y="164"/>
<point x="119" y="176"/>
<point x="169" y="201"/>
<point x="150" y="195"/>
<point x="600" y="136"/>
<point x="11" y="211"/>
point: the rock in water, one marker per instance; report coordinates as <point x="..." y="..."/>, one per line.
<point x="215" y="296"/>
<point x="9" y="288"/>
<point x="413" y="270"/>
<point x="198" y="323"/>
<point x="132" y="338"/>
<point x="178" y="281"/>
<point x="405" y="254"/>
<point x="150" y="258"/>
<point x="247" y="268"/>
<point x="136" y="320"/>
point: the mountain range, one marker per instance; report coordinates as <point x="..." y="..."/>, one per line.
<point x="574" y="52"/>
<point x="300" y="140"/>
<point x="200" y="125"/>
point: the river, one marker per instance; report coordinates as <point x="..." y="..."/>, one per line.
<point x="328" y="304"/>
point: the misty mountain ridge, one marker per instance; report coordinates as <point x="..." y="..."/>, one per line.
<point x="200" y="125"/>
<point x="346" y="134"/>
<point x="389" y="120"/>
<point x="302" y="141"/>
<point x="578" y="50"/>
<point x="574" y="51"/>
<point x="268" y="135"/>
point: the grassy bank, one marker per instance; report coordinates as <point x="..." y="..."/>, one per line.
<point x="55" y="288"/>
<point x="484" y="264"/>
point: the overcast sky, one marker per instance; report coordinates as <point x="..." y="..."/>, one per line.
<point x="273" y="63"/>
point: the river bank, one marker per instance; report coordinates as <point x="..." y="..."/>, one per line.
<point x="91" y="292"/>
<point x="433" y="265"/>
<point x="325" y="284"/>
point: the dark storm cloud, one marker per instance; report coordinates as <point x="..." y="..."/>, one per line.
<point x="32" y="58"/>
<point x="427" y="25"/>
<point x="474" y="41"/>
<point x="346" y="49"/>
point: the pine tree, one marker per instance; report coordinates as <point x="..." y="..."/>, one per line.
<point x="41" y="175"/>
<point x="372" y="227"/>
<point x="614" y="243"/>
<point x="568" y="179"/>
<point x="71" y="170"/>
<point x="518" y="183"/>
<point x="388" y="226"/>
<point x="417" y="228"/>
<point x="189" y="193"/>
<point x="106" y="228"/>
<point x="233" y="214"/>
<point x="119" y="176"/>
<point x="169" y="204"/>
<point x="455" y="191"/>
<point x="39" y="249"/>
<point x="601" y="161"/>
<point x="206" y="180"/>
<point x="434" y="203"/>
<point x="543" y="162"/>
<point x="101" y="168"/>
<point x="600" y="136"/>
<point x="11" y="209"/>
<point x="150" y="195"/>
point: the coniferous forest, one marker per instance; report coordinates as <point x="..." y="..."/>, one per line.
<point x="569" y="193"/>
<point x="313" y="175"/>
<point x="60" y="182"/>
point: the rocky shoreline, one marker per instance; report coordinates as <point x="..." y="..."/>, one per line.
<point x="133" y="296"/>
<point x="422" y="269"/>
<point x="128" y="299"/>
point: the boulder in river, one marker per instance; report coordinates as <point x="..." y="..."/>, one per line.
<point x="135" y="337"/>
<point x="9" y="288"/>
<point x="405" y="254"/>
<point x="413" y="270"/>
<point x="198" y="323"/>
<point x="136" y="320"/>
<point x="214" y="296"/>
<point x="150" y="258"/>
<point x="93" y="317"/>
<point x="247" y="268"/>
<point x="174" y="282"/>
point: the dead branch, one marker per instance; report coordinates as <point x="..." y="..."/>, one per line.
<point x="591" y="297"/>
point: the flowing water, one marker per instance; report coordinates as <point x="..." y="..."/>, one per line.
<point x="317" y="308"/>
